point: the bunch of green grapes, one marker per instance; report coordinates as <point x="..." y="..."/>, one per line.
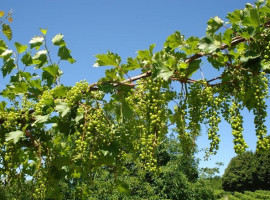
<point x="45" y="99"/>
<point x="10" y="119"/>
<point x="40" y="184"/>
<point x="211" y="105"/>
<point x="150" y="106"/>
<point x="236" y="121"/>
<point x="76" y="93"/>
<point x="92" y="133"/>
<point x="9" y="159"/>
<point x="260" y="83"/>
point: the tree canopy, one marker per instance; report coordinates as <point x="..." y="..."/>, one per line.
<point x="51" y="132"/>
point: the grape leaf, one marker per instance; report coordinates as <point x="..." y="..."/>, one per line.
<point x="41" y="119"/>
<point x="15" y="136"/>
<point x="20" y="48"/>
<point x="58" y="40"/>
<point x="8" y="67"/>
<point x="209" y="44"/>
<point x="175" y="40"/>
<point x="64" y="54"/>
<point x="109" y="59"/>
<point x="27" y="59"/>
<point x="7" y="31"/>
<point x="162" y="71"/>
<point x="235" y="16"/>
<point x="62" y="108"/>
<point x="36" y="42"/>
<point x="43" y="31"/>
<point x="193" y="67"/>
<point x="214" y="24"/>
<point x="251" y="18"/>
<point x="52" y="70"/>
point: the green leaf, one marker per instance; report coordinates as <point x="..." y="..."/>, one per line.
<point x="27" y="59"/>
<point x="52" y="70"/>
<point x="8" y="67"/>
<point x="227" y="37"/>
<point x="43" y="31"/>
<point x="36" y="84"/>
<point x="64" y="54"/>
<point x="41" y="119"/>
<point x="235" y="16"/>
<point x="191" y="46"/>
<point x="20" y="48"/>
<point x="20" y="88"/>
<point x="6" y="54"/>
<point x="2" y="105"/>
<point x="109" y="59"/>
<point x="251" y="18"/>
<point x="209" y="44"/>
<point x="193" y="67"/>
<point x="175" y="40"/>
<point x="79" y="116"/>
<point x="58" y="40"/>
<point x="14" y="135"/>
<point x="36" y="42"/>
<point x="3" y="46"/>
<point x="123" y="188"/>
<point x="132" y="64"/>
<point x="7" y="31"/>
<point x="214" y="24"/>
<point x="40" y="58"/>
<point x="62" y="108"/>
<point x="60" y="91"/>
<point x="26" y="75"/>
<point x="144" y="54"/>
<point x="162" y="71"/>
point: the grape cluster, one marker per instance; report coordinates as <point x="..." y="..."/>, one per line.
<point x="76" y="93"/>
<point x="260" y="92"/>
<point x="45" y="99"/>
<point x="40" y="184"/>
<point x="92" y="132"/>
<point x="210" y="108"/>
<point x="236" y="121"/>
<point x="150" y="106"/>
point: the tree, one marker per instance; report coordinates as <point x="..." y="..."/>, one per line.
<point x="239" y="175"/>
<point x="248" y="171"/>
<point x="53" y="133"/>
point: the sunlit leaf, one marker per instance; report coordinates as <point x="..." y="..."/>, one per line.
<point x="7" y="31"/>
<point x="174" y="40"/>
<point x="36" y="42"/>
<point x="41" y="119"/>
<point x="214" y="24"/>
<point x="20" y="48"/>
<point x="62" y="108"/>
<point x="43" y="31"/>
<point x="109" y="59"/>
<point x="14" y="135"/>
<point x="58" y="40"/>
<point x="209" y="44"/>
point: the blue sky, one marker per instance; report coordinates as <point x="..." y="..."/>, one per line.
<point x="91" y="27"/>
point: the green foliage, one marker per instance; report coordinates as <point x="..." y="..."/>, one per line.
<point x="65" y="138"/>
<point x="247" y="171"/>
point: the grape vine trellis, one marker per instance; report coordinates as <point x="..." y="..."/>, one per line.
<point x="48" y="128"/>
